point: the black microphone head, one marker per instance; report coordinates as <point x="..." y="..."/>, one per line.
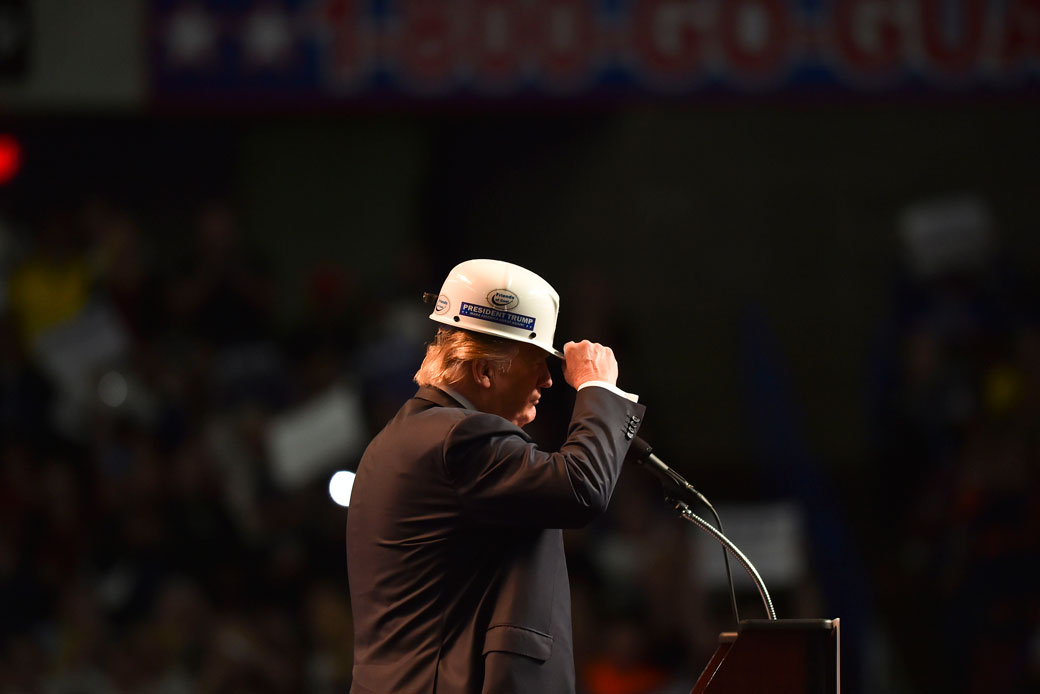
<point x="638" y="451"/>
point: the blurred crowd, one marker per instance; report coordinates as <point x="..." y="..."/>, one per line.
<point x="957" y="414"/>
<point x="146" y="545"/>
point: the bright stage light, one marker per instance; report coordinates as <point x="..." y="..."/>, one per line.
<point x="340" y="487"/>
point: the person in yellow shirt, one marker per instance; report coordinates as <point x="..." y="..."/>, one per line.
<point x="51" y="286"/>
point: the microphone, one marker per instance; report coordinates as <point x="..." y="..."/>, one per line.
<point x="675" y="486"/>
<point x="677" y="489"/>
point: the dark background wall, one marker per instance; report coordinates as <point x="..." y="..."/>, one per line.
<point x="695" y="214"/>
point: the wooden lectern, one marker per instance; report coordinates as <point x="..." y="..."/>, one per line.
<point x="782" y="656"/>
<point x="764" y="656"/>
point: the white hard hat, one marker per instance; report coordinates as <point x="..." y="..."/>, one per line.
<point x="498" y="298"/>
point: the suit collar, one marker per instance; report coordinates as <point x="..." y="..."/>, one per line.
<point x="437" y="397"/>
<point x="459" y="398"/>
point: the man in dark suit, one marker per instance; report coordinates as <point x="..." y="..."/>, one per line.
<point x="458" y="579"/>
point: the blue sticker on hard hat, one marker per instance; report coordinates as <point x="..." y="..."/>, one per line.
<point x="493" y="315"/>
<point x="443" y="304"/>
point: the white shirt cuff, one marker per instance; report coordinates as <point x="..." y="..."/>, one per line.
<point x="613" y="389"/>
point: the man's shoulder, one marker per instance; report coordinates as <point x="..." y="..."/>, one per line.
<point x="482" y="429"/>
<point x="431" y="410"/>
<point x="421" y="411"/>
<point x="433" y="404"/>
<point x="454" y="422"/>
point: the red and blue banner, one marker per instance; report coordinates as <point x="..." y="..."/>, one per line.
<point x="233" y="51"/>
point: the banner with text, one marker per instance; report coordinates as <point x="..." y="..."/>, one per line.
<point x="237" y="52"/>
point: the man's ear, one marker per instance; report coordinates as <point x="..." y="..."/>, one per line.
<point x="481" y="369"/>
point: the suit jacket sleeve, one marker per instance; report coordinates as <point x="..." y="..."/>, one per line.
<point x="502" y="477"/>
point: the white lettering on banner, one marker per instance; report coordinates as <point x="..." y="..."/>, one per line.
<point x="504" y="47"/>
<point x="346" y="41"/>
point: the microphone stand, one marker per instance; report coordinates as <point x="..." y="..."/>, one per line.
<point x="680" y="492"/>
<point x="686" y="514"/>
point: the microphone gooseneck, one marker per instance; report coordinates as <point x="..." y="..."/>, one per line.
<point x="677" y="489"/>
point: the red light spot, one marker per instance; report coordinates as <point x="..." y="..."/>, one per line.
<point x="10" y="158"/>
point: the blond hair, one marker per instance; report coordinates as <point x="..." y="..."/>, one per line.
<point x="448" y="356"/>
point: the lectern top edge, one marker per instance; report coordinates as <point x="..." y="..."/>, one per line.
<point x="786" y="625"/>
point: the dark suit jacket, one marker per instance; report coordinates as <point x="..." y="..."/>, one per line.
<point x="458" y="580"/>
